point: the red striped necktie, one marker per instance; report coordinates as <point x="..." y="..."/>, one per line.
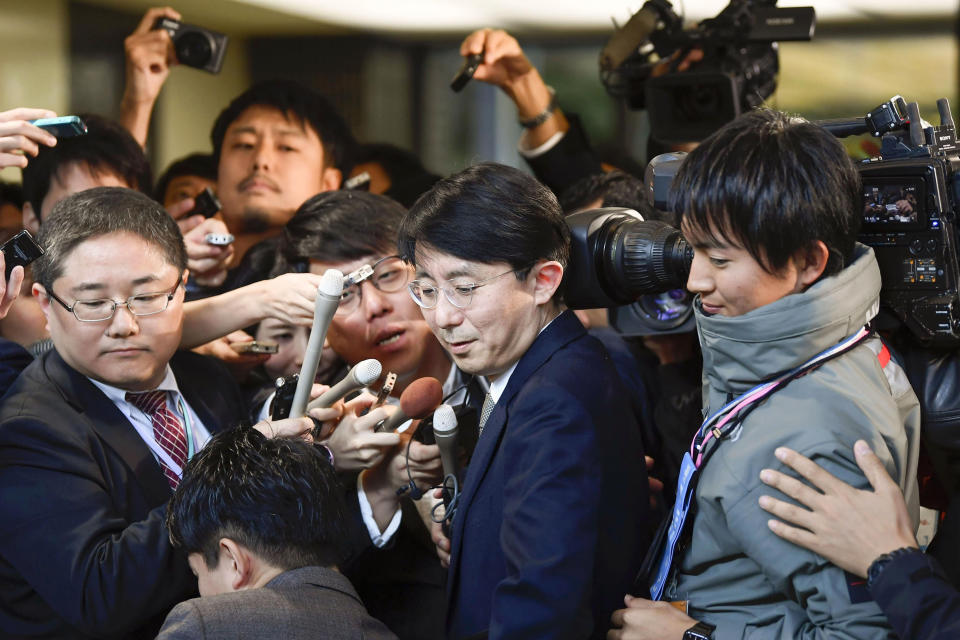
<point x="167" y="429"/>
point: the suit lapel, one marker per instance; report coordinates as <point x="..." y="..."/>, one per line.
<point x="564" y="329"/>
<point x="110" y="425"/>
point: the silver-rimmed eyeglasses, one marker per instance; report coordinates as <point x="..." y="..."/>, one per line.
<point x="459" y="295"/>
<point x="388" y="275"/>
<point x="100" y="309"/>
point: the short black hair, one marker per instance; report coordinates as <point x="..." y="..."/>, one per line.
<point x="11" y="193"/>
<point x="773" y="184"/>
<point x="338" y="226"/>
<point x="488" y="213"/>
<point x="278" y="497"/>
<point x="201" y="165"/>
<point x="106" y="148"/>
<point x="613" y="189"/>
<point x="409" y="179"/>
<point x="98" y="212"/>
<point x="306" y="106"/>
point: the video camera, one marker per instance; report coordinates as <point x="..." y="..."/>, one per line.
<point x="737" y="73"/>
<point x="910" y="197"/>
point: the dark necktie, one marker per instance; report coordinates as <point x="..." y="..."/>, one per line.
<point x="167" y="430"/>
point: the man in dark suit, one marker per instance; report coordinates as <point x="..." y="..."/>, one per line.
<point x="547" y="532"/>
<point x="264" y="567"/>
<point x="94" y="435"/>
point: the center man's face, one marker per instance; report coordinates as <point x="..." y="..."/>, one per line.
<point x="126" y="351"/>
<point x="498" y="325"/>
<point x="270" y="164"/>
<point x="386" y="326"/>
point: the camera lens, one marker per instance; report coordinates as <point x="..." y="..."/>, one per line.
<point x="644" y="257"/>
<point x="194" y="49"/>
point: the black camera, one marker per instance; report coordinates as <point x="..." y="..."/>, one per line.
<point x="910" y="196"/>
<point x="617" y="258"/>
<point x="195" y="46"/>
<point x="738" y="70"/>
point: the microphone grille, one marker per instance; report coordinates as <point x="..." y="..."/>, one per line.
<point x="368" y="371"/>
<point x="331" y="283"/>
<point x="444" y="420"/>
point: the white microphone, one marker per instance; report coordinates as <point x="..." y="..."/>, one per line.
<point x="363" y="374"/>
<point x="445" y="434"/>
<point x="328" y="299"/>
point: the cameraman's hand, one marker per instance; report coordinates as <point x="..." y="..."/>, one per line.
<point x="208" y="263"/>
<point x="505" y="65"/>
<point x="149" y="54"/>
<point x="19" y="138"/>
<point x="10" y="290"/>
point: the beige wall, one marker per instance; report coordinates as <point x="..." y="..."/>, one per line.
<point x="34" y="58"/>
<point x="191" y="101"/>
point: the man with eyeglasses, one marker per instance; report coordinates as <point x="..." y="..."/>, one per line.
<point x="94" y="435"/>
<point x="355" y="232"/>
<point x="546" y="537"/>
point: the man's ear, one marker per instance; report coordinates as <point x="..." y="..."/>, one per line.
<point x="240" y="564"/>
<point x="30" y="220"/>
<point x="331" y="179"/>
<point x="811" y="263"/>
<point x="547" y="276"/>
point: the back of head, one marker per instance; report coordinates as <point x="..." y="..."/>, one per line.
<point x="339" y="226"/>
<point x="610" y="189"/>
<point x="488" y="213"/>
<point x="774" y="185"/>
<point x="305" y="106"/>
<point x="106" y="148"/>
<point x="201" y="165"/>
<point x="101" y="211"/>
<point x="280" y="498"/>
<point x="409" y="179"/>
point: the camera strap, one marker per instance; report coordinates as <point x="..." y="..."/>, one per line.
<point x="714" y="429"/>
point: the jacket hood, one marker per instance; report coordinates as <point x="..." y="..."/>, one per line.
<point x="741" y="351"/>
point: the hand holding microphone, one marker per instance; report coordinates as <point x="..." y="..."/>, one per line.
<point x="416" y="402"/>
<point x="362" y="375"/>
<point x="445" y="433"/>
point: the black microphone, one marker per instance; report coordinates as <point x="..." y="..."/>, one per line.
<point x="363" y="374"/>
<point x="328" y="299"/>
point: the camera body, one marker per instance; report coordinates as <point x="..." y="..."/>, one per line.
<point x="737" y="73"/>
<point x="195" y="46"/>
<point x="910" y="197"/>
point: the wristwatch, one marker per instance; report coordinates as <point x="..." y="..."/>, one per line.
<point x="699" y="631"/>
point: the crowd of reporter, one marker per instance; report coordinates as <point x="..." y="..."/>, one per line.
<point x="141" y="465"/>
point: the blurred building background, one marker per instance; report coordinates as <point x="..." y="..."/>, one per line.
<point x="387" y="65"/>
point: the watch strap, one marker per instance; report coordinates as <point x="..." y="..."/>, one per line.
<point x="700" y="631"/>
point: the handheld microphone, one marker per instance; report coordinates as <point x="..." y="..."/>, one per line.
<point x="416" y="402"/>
<point x="328" y="299"/>
<point x="361" y="375"/>
<point x="445" y="433"/>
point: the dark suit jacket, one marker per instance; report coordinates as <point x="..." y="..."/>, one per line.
<point x="917" y="599"/>
<point x="310" y="602"/>
<point x="83" y="546"/>
<point x="546" y="539"/>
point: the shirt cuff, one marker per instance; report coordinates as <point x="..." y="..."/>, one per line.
<point x="379" y="539"/>
<point x="529" y="154"/>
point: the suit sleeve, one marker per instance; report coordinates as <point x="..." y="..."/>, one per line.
<point x="570" y="160"/>
<point x="549" y="530"/>
<point x="836" y="604"/>
<point x="184" y="622"/>
<point x="60" y="530"/>
<point x="920" y="604"/>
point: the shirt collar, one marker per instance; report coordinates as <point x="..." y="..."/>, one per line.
<point x="116" y="394"/>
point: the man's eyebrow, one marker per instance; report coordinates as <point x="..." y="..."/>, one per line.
<point x="99" y="286"/>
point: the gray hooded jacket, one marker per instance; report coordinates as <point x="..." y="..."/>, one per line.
<point x="736" y="573"/>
